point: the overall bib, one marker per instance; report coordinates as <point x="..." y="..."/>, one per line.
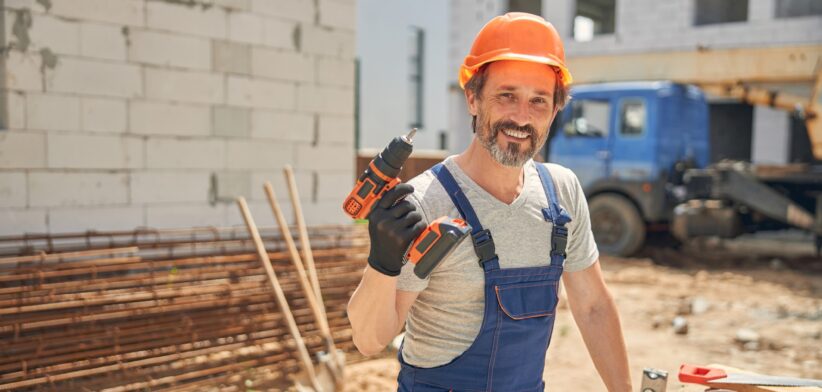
<point x="508" y="354"/>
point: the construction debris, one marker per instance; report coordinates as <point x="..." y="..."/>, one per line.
<point x="699" y="305"/>
<point x="680" y="325"/>
<point x="748" y="339"/>
<point x="165" y="309"/>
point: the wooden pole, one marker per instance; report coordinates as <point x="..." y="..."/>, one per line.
<point x="337" y="362"/>
<point x="295" y="257"/>
<point x="308" y="366"/>
<point x="301" y="229"/>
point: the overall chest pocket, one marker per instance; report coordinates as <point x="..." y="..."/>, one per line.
<point x="527" y="300"/>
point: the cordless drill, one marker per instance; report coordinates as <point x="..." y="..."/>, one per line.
<point x="441" y="236"/>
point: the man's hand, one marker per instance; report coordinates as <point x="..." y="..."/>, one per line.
<point x="392" y="225"/>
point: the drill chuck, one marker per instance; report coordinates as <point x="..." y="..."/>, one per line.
<point x="391" y="159"/>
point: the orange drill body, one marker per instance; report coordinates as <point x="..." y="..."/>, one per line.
<point x="370" y="188"/>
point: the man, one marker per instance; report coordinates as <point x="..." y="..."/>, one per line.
<point x="483" y="319"/>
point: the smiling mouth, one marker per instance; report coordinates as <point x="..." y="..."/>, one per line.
<point x="516" y="134"/>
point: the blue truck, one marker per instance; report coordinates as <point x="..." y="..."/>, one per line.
<point x="650" y="158"/>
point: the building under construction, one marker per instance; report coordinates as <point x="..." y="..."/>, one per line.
<point x="754" y="39"/>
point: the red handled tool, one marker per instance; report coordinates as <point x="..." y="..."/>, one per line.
<point x="438" y="240"/>
<point x="713" y="376"/>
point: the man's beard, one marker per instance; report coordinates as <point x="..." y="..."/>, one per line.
<point x="511" y="155"/>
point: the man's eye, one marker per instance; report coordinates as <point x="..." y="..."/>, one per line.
<point x="507" y="96"/>
<point x="539" y="100"/>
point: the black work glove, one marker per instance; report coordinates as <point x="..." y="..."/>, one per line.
<point x="392" y="226"/>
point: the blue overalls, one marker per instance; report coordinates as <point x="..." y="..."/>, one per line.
<point x="508" y="354"/>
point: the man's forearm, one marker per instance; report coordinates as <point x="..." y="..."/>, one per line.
<point x="372" y="312"/>
<point x="602" y="333"/>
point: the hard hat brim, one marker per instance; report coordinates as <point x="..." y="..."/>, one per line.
<point x="467" y="72"/>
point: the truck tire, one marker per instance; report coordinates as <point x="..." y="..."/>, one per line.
<point x="617" y="225"/>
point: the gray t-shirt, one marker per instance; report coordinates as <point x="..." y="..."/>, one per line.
<point x="447" y="315"/>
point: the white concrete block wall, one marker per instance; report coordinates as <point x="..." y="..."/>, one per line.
<point x="127" y="113"/>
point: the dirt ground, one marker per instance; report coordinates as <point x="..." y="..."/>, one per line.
<point x="759" y="314"/>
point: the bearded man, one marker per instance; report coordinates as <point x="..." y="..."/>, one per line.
<point x="483" y="319"/>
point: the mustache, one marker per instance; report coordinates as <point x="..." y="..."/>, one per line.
<point x="507" y="124"/>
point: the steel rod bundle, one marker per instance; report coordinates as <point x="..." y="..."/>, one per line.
<point x="167" y="309"/>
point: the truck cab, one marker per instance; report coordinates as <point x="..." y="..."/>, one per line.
<point x="629" y="144"/>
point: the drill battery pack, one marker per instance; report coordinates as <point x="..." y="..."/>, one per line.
<point x="435" y="243"/>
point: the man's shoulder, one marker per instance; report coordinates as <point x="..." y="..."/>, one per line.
<point x="422" y="181"/>
<point x="567" y="186"/>
<point x="562" y="176"/>
<point x="428" y="192"/>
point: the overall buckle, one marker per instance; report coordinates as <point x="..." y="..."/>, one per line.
<point x="559" y="239"/>
<point x="484" y="246"/>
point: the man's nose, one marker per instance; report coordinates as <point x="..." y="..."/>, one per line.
<point x="521" y="113"/>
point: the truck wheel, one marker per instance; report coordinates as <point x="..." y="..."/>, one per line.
<point x="618" y="228"/>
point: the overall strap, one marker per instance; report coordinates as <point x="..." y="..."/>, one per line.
<point x="483" y="242"/>
<point x="555" y="214"/>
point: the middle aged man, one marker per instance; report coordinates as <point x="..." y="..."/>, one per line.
<point x="483" y="319"/>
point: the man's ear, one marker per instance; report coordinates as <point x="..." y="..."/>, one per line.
<point x="471" y="101"/>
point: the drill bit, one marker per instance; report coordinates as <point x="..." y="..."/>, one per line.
<point x="410" y="136"/>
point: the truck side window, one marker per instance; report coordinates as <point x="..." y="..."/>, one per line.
<point x="588" y="118"/>
<point x="632" y="117"/>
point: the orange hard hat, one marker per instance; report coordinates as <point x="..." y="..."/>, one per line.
<point x="516" y="36"/>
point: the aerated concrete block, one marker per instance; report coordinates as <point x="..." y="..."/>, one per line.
<point x="52" y="112"/>
<point x="226" y="186"/>
<point x="15" y="221"/>
<point x="184" y="86"/>
<point x="103" y="115"/>
<point x="169" y="49"/>
<point x="303" y="11"/>
<point x="335" y="129"/>
<point x="54" y="188"/>
<point x="325" y="100"/>
<point x="173" y="153"/>
<point x="281" y="125"/>
<point x="186" y="215"/>
<point x="283" y="65"/>
<point x="102" y="41"/>
<point x="121" y="12"/>
<point x="231" y="121"/>
<point x="245" y="27"/>
<point x="338" y="14"/>
<point x="258" y="93"/>
<point x="85" y="151"/>
<point x="13" y="189"/>
<point x="328" y="158"/>
<point x="231" y="57"/>
<point x="94" y="77"/>
<point x="163" y="118"/>
<point x="257" y="154"/>
<point x="22" y="150"/>
<point x="207" y="22"/>
<point x="162" y="186"/>
<point x="95" y="218"/>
